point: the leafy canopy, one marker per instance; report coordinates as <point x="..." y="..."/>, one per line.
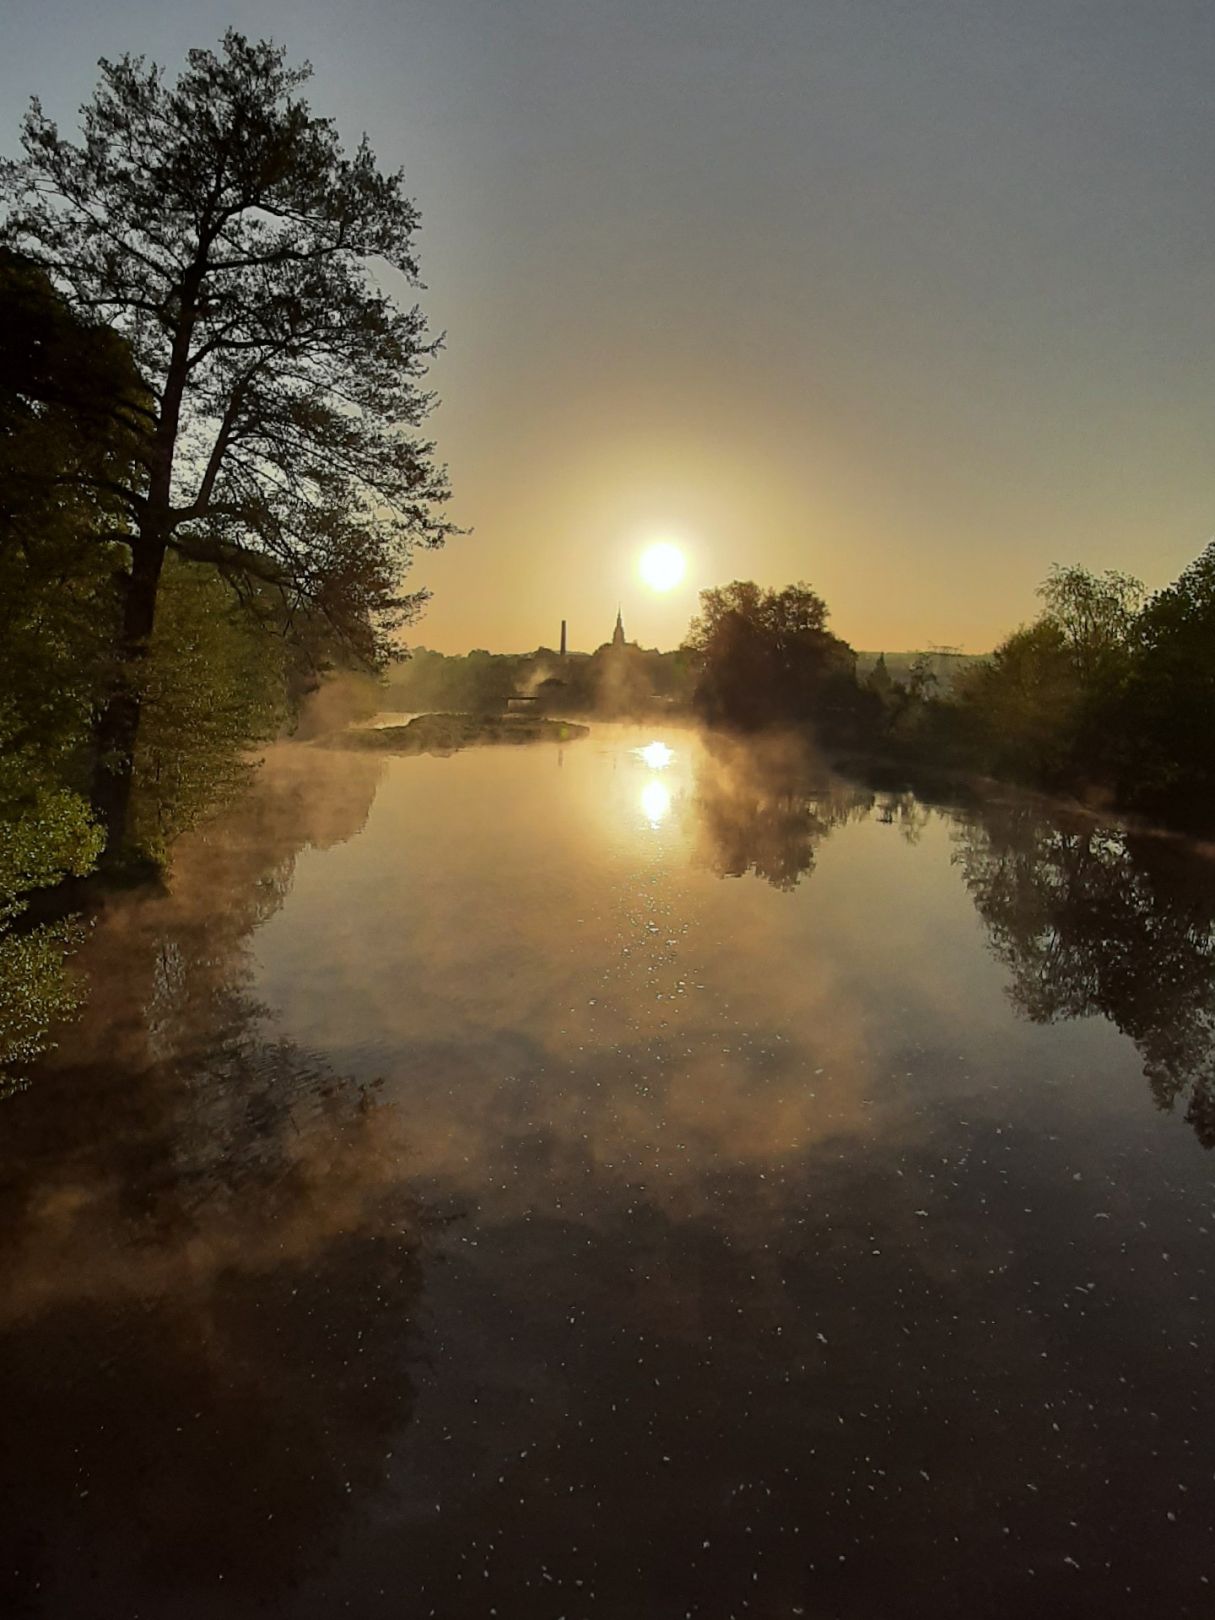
<point x="767" y="657"/>
<point x="219" y="226"/>
<point x="1094" y="613"/>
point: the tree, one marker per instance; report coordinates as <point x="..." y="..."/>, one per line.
<point x="767" y="657"/>
<point x="1023" y="704"/>
<point x="879" y="681"/>
<point x="60" y="381"/>
<point x="1045" y="705"/>
<point x="922" y="680"/>
<point x="1170" y="696"/>
<point x="1094" y="613"/>
<point x="220" y="228"/>
<point x="213" y="689"/>
<point x="69" y="412"/>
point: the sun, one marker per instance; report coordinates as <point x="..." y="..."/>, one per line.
<point x="662" y="566"/>
<point x="656" y="755"/>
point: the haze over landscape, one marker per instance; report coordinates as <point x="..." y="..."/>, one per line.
<point x="607" y="987"/>
<point x="910" y="301"/>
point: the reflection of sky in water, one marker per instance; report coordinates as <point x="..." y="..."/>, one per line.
<point x="588" y="1228"/>
<point x="500" y="927"/>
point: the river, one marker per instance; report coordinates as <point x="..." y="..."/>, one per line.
<point x="633" y="1178"/>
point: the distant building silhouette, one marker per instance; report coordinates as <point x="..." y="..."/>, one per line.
<point x="618" y="632"/>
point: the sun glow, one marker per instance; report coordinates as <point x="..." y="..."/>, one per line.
<point x="662" y="566"/>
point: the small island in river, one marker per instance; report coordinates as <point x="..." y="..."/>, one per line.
<point x="447" y="733"/>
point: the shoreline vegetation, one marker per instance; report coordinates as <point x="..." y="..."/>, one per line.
<point x="213" y="469"/>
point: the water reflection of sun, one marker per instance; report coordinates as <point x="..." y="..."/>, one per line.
<point x="656" y="755"/>
<point x="655" y="802"/>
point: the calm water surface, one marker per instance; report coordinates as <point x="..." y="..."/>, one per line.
<point x="622" y="1181"/>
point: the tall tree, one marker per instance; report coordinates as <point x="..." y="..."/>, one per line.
<point x="767" y="657"/>
<point x="219" y="226"/>
<point x="1095" y="613"/>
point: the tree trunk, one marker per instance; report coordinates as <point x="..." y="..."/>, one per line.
<point x="118" y="724"/>
<point x="117" y="731"/>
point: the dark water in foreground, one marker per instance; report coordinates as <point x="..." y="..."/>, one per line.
<point x="550" y="1183"/>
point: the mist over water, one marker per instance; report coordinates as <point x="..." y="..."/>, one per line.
<point x="640" y="1176"/>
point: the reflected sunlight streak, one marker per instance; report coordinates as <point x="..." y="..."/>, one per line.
<point x="655" y="802"/>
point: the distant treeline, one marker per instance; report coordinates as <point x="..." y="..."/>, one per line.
<point x="613" y="682"/>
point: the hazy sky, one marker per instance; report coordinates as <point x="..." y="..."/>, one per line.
<point x="907" y="298"/>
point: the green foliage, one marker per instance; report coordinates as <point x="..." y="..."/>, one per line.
<point x="227" y="238"/>
<point x="1043" y="708"/>
<point x="1094" y="614"/>
<point x="68" y="399"/>
<point x="213" y="689"/>
<point x="37" y="990"/>
<point x="1105" y="692"/>
<point x="1025" y="704"/>
<point x="70" y="424"/>
<point x="46" y="834"/>
<point x="64" y="388"/>
<point x="1168" y="710"/>
<point x="56" y="622"/>
<point x="73" y="412"/>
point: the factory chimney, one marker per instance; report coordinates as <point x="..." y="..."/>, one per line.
<point x="563" y="638"/>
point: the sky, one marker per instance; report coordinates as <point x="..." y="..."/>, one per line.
<point x="905" y="298"/>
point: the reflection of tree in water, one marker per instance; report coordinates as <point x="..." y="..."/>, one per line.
<point x="211" y="1264"/>
<point x="764" y="806"/>
<point x="1093" y="919"/>
<point x="904" y="811"/>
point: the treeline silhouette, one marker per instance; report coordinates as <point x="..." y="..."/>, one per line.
<point x="1108" y="694"/>
<point x="613" y="682"/>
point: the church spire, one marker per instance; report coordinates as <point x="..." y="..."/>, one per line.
<point x="618" y="632"/>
